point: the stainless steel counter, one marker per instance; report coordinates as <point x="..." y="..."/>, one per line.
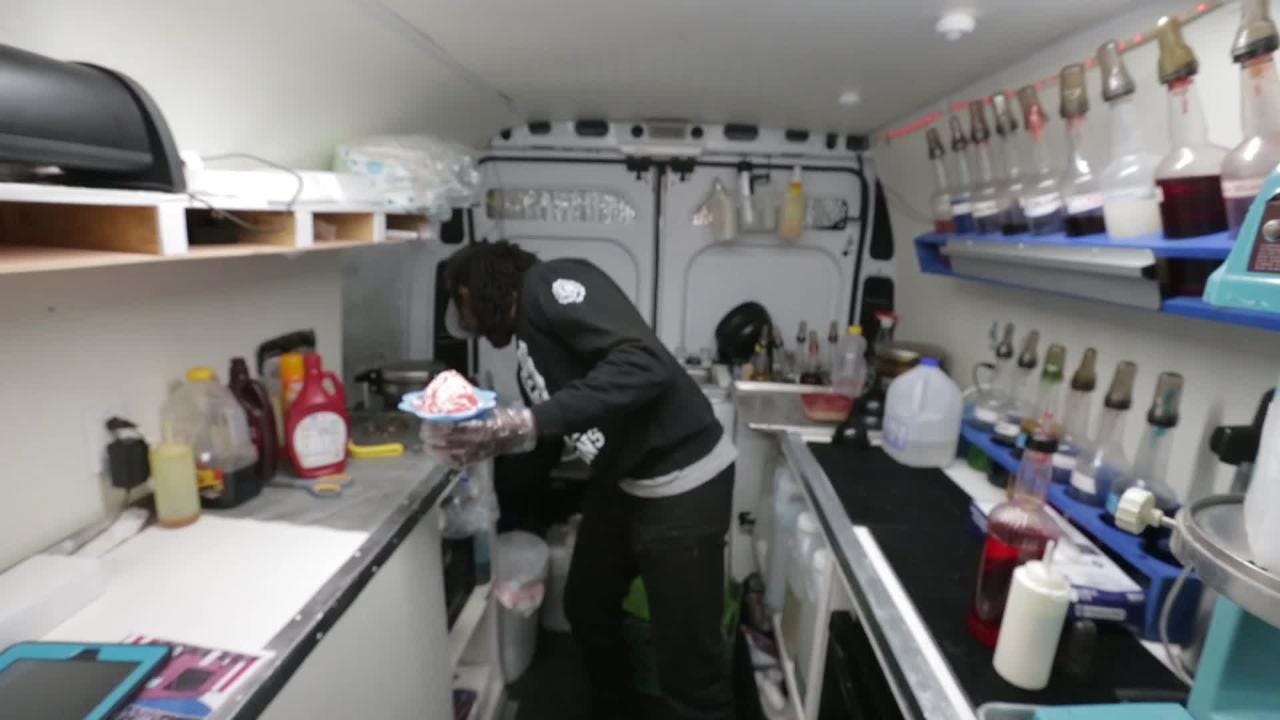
<point x="776" y="407"/>
<point x="920" y="677"/>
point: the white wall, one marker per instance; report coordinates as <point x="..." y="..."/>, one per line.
<point x="80" y="346"/>
<point x="285" y="79"/>
<point x="1226" y="368"/>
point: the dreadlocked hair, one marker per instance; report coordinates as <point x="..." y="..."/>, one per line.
<point x="491" y="272"/>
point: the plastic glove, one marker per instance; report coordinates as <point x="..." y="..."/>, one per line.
<point x="505" y="430"/>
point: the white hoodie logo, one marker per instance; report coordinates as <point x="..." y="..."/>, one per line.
<point x="568" y="292"/>
<point x="586" y="444"/>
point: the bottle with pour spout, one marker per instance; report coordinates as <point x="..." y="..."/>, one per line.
<point x="940" y="200"/>
<point x="1047" y="416"/>
<point x="1021" y="395"/>
<point x="961" y="180"/>
<point x="1041" y="197"/>
<point x="989" y="201"/>
<point x="1081" y="192"/>
<point x="1075" y="411"/>
<point x="987" y="405"/>
<point x="1105" y="462"/>
<point x="1257" y="155"/>
<point x="317" y="423"/>
<point x="1130" y="207"/>
<point x="1151" y="464"/>
<point x="1190" y="176"/>
<point x="1012" y="156"/>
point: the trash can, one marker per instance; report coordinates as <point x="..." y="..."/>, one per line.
<point x="560" y="541"/>
<point x="520" y="575"/>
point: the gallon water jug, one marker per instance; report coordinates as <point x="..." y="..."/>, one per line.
<point x="205" y="416"/>
<point x="922" y="417"/>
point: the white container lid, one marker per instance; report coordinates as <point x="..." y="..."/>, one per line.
<point x="1044" y="580"/>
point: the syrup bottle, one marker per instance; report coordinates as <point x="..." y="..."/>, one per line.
<point x="988" y="405"/>
<point x="940" y="201"/>
<point x="1012" y="154"/>
<point x="1041" y="199"/>
<point x="1021" y="400"/>
<point x="989" y="202"/>
<point x="256" y="401"/>
<point x="962" y="181"/>
<point x="1047" y="416"/>
<point x="1250" y="162"/>
<point x="1152" y="462"/>
<point x="1075" y="412"/>
<point x="1130" y="207"/>
<point x="1018" y="531"/>
<point x="317" y="423"/>
<point x="1190" y="176"/>
<point x="1106" y="463"/>
<point x="1081" y="193"/>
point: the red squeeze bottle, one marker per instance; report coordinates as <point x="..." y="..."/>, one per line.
<point x="252" y="396"/>
<point x="317" y="425"/>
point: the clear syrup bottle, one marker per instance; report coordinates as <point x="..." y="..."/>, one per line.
<point x="1190" y="176"/>
<point x="1081" y="193"/>
<point x="1047" y="416"/>
<point x="1041" y="198"/>
<point x="1021" y="396"/>
<point x="940" y="201"/>
<point x="1151" y="464"/>
<point x="1250" y="162"/>
<point x="962" y="180"/>
<point x="990" y="403"/>
<point x="1018" y="531"/>
<point x="989" y="200"/>
<point x="1106" y="463"/>
<point x="1131" y="205"/>
<point x="1012" y="153"/>
<point x="1075" y="417"/>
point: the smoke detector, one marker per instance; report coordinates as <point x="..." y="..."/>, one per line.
<point x="956" y="24"/>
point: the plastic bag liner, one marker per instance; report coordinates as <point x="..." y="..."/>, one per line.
<point x="414" y="173"/>
<point x="520" y="571"/>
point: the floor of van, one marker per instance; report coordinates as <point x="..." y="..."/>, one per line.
<point x="555" y="685"/>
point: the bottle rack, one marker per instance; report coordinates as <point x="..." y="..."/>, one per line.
<point x="1152" y="572"/>
<point x="1096" y="267"/>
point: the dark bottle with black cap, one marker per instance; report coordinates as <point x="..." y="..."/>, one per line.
<point x="1152" y="461"/>
<point x="1018" y="530"/>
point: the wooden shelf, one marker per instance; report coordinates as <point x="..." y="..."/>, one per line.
<point x="47" y="228"/>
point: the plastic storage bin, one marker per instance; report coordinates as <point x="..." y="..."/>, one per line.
<point x="922" y="416"/>
<point x="520" y="571"/>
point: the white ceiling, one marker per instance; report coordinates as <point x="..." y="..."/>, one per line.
<point x="773" y="62"/>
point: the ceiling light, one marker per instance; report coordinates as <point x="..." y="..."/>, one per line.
<point x="956" y="24"/>
<point x="849" y="98"/>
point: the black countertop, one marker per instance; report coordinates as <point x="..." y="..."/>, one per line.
<point x="919" y="518"/>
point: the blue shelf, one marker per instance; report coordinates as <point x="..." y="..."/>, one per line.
<point x="1154" y="573"/>
<point x="1208" y="247"/>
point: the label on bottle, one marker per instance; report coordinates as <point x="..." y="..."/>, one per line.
<point x="961" y="208"/>
<point x="210" y="482"/>
<point x="985" y="208"/>
<point x="1034" y="206"/>
<point x="1086" y="484"/>
<point x="1077" y="204"/>
<point x="320" y="439"/>
<point x="1242" y="188"/>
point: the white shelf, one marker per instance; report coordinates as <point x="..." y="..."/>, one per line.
<point x="464" y="628"/>
<point x="487" y="684"/>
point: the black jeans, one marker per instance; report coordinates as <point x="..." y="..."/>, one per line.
<point x="676" y="545"/>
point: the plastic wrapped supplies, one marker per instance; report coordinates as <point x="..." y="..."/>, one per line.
<point x="520" y="570"/>
<point x="414" y="173"/>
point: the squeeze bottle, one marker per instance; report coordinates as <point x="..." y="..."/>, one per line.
<point x="317" y="425"/>
<point x="1032" y="626"/>
<point x="794" y="205"/>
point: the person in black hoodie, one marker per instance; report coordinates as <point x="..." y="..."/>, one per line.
<point x="658" y="502"/>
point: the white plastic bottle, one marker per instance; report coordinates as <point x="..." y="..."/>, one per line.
<point x="794" y="207"/>
<point x="1262" y="501"/>
<point x="849" y="366"/>
<point x="1032" y="624"/>
<point x="788" y="503"/>
<point x="922" y="416"/>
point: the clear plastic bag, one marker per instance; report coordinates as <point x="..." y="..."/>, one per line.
<point x="471" y="508"/>
<point x="520" y="571"/>
<point x="416" y="173"/>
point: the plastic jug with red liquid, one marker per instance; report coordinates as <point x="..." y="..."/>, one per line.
<point x="317" y="425"/>
<point x="253" y="397"/>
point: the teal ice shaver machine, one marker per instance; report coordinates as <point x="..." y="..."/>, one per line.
<point x="1250" y="277"/>
<point x="1238" y="677"/>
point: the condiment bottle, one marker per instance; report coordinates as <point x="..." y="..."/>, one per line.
<point x="961" y="180"/>
<point x="1151" y="464"/>
<point x="253" y="397"/>
<point x="724" y="216"/>
<point x="173" y="483"/>
<point x="1190" y="176"/>
<point x="292" y="373"/>
<point x="1075" y="413"/>
<point x="1032" y="626"/>
<point x="1106" y="462"/>
<point x="1258" y="154"/>
<point x="1021" y="398"/>
<point x="1018" y="530"/>
<point x="1131" y="207"/>
<point x="317" y="423"/>
<point x="813" y="371"/>
<point x="1048" y="405"/>
<point x="989" y="404"/>
<point x="794" y="206"/>
<point x="204" y="415"/>
<point x="940" y="200"/>
<point x="1013" y="154"/>
<point x="1081" y="193"/>
<point x="989" y="202"/>
<point x="1041" y="198"/>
